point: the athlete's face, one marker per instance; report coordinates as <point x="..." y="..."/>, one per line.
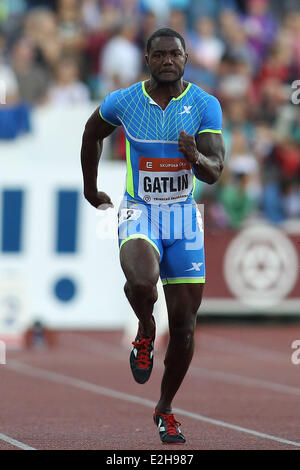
<point x="166" y="59"/>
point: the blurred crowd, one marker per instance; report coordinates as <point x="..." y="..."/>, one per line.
<point x="245" y="52"/>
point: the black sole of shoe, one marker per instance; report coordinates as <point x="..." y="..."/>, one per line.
<point x="173" y="443"/>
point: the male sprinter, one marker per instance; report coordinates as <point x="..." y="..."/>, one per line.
<point x="173" y="134"/>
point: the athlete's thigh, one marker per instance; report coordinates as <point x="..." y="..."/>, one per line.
<point x="183" y="302"/>
<point x="183" y="259"/>
<point x="140" y="250"/>
<point x="139" y="261"/>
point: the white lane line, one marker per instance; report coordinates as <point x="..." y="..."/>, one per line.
<point x="95" y="346"/>
<point x="208" y="341"/>
<point x="14" y="442"/>
<point x="93" y="388"/>
<point x="100" y="347"/>
<point x="222" y="344"/>
<point x="243" y="380"/>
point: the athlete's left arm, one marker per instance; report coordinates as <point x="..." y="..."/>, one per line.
<point x="206" y="154"/>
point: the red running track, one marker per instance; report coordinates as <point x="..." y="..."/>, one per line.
<point x="242" y="392"/>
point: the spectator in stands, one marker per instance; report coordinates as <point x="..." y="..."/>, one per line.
<point x="287" y="156"/>
<point x="263" y="143"/>
<point x="178" y="21"/>
<point x="42" y="3"/>
<point x="261" y="27"/>
<point x="147" y="26"/>
<point x="7" y="75"/>
<point x="235" y="80"/>
<point x="238" y="115"/>
<point x="291" y="200"/>
<point x="206" y="48"/>
<point x="130" y="9"/>
<point x="160" y="9"/>
<point x="70" y="27"/>
<point x="235" y="39"/>
<point x="91" y="15"/>
<point x="205" y="52"/>
<point x="279" y="64"/>
<point x="40" y="26"/>
<point x="14" y="114"/>
<point x="228" y="22"/>
<point x="291" y="28"/>
<point x="11" y="16"/>
<point x="273" y="96"/>
<point x="33" y="80"/>
<point x="295" y="129"/>
<point x="67" y="89"/>
<point x="243" y="161"/>
<point x="236" y="201"/>
<point x="210" y="8"/>
<point x="121" y="61"/>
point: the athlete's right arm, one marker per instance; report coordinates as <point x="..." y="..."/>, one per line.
<point x="95" y="131"/>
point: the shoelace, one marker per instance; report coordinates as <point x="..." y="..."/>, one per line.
<point x="143" y="358"/>
<point x="171" y="425"/>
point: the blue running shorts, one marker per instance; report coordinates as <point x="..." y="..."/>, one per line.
<point x="175" y="231"/>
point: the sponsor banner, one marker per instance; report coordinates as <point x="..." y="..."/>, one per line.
<point x="53" y="266"/>
<point x="255" y="270"/>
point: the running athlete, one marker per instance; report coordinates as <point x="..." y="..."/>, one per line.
<point x="173" y="135"/>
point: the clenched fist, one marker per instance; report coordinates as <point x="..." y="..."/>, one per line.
<point x="98" y="199"/>
<point x="187" y="146"/>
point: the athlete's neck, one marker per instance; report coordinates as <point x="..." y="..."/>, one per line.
<point x="162" y="93"/>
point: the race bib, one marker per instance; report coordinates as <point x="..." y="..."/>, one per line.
<point x="164" y="180"/>
<point x="129" y="214"/>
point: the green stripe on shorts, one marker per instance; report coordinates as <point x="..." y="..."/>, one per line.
<point x="184" y="280"/>
<point x="137" y="235"/>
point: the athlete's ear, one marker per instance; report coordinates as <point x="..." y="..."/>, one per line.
<point x="147" y="59"/>
<point x="186" y="58"/>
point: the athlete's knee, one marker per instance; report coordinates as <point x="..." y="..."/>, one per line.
<point x="141" y="289"/>
<point x="182" y="331"/>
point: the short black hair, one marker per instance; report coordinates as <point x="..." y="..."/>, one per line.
<point x="165" y="32"/>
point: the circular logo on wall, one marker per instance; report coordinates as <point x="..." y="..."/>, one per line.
<point x="261" y="266"/>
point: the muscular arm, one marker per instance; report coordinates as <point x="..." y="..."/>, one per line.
<point x="96" y="129"/>
<point x="205" y="153"/>
<point x="211" y="151"/>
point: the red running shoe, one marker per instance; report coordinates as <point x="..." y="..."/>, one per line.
<point x="141" y="357"/>
<point x="168" y="427"/>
